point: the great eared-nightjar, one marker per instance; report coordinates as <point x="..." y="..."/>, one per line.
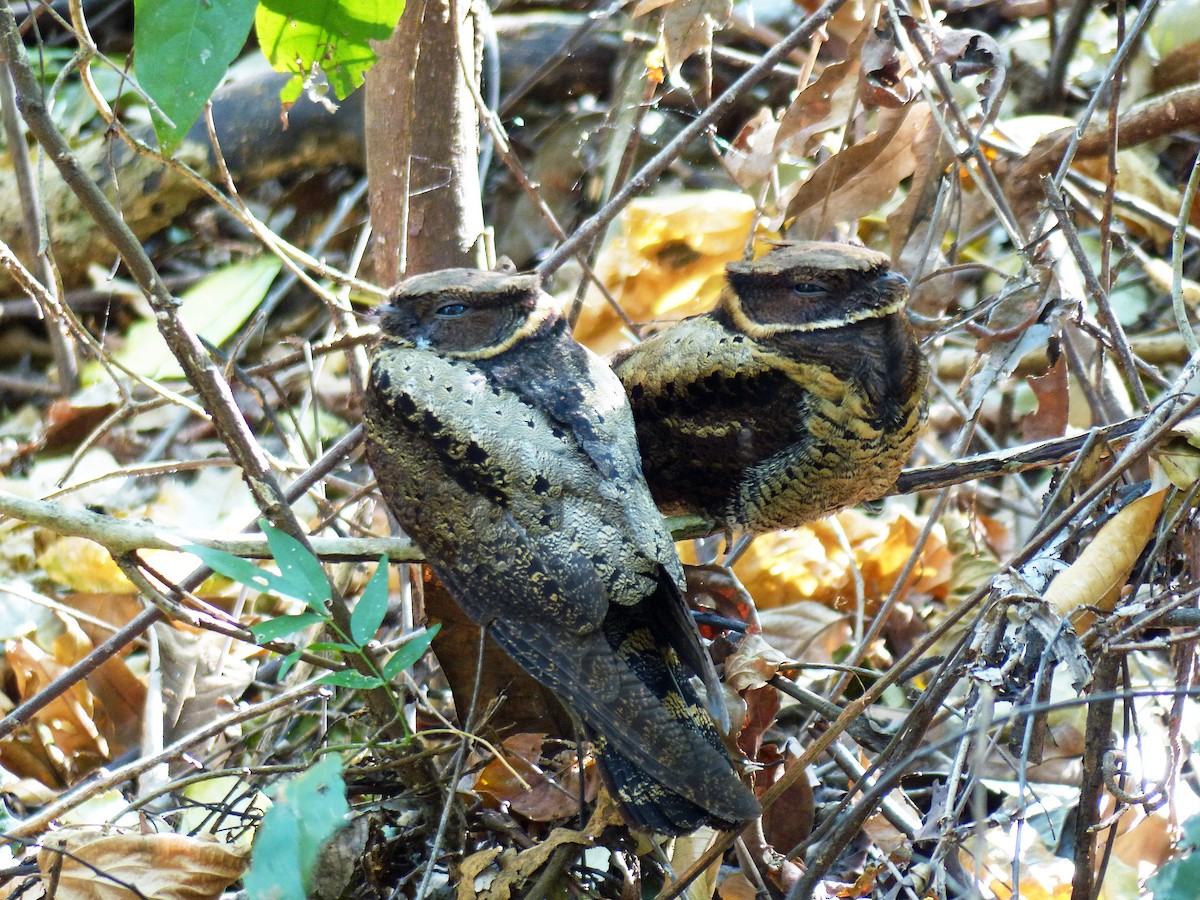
<point x="507" y="452"/>
<point x="800" y="394"/>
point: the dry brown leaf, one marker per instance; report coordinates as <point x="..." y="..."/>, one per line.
<point x="163" y="866"/>
<point x="1049" y="420"/>
<point x="934" y="156"/>
<point x="968" y="52"/>
<point x="752" y="664"/>
<point x="1095" y="579"/>
<point x="475" y="865"/>
<point x="69" y="422"/>
<point x="789" y="820"/>
<point x="1178" y="68"/>
<point x="863" y="177"/>
<point x="501" y="780"/>
<point x="687" y="28"/>
<point x="514" y="867"/>
<point x="550" y="801"/>
<point x="69" y="717"/>
<point x="1144" y="841"/>
<point x="823" y="105"/>
<point x="200" y="677"/>
<point x="528" y="785"/>
<point x="25" y="756"/>
<point x="881" y="78"/>
<point x="752" y="153"/>
<point x="735" y="886"/>
<point x="121" y="698"/>
<point x="805" y="631"/>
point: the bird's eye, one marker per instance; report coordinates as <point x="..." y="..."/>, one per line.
<point x="808" y="287"/>
<point x="450" y="310"/>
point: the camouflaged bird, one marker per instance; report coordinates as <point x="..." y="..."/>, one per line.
<point x="507" y="452"/>
<point x="800" y="394"/>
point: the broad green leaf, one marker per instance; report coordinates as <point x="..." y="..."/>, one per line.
<point x="409" y="653"/>
<point x="299" y="567"/>
<point x="348" y="678"/>
<point x="372" y="606"/>
<point x="308" y="811"/>
<point x="215" y="308"/>
<point x="299" y="35"/>
<point x="282" y="626"/>
<point x="240" y="570"/>
<point x="1177" y="878"/>
<point x="181" y="50"/>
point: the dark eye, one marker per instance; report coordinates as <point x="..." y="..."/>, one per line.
<point x="450" y="310"/>
<point x="808" y="287"/>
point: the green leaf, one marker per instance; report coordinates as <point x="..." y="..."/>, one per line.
<point x="288" y="661"/>
<point x="282" y="626"/>
<point x="348" y="678"/>
<point x="308" y="811"/>
<point x="333" y="647"/>
<point x="298" y="35"/>
<point x="299" y="567"/>
<point x="372" y="606"/>
<point x="182" y="50"/>
<point x="241" y="570"/>
<point x="409" y="653"/>
<point x="1177" y="878"/>
<point x="215" y="307"/>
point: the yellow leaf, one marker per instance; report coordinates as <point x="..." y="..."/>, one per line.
<point x="1095" y="579"/>
<point x="666" y="263"/>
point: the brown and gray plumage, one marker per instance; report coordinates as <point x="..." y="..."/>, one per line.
<point x="507" y="452"/>
<point x="802" y="393"/>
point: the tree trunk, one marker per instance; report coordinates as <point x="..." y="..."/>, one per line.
<point x="422" y="137"/>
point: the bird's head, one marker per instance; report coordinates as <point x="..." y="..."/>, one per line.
<point x="812" y="286"/>
<point x="465" y="313"/>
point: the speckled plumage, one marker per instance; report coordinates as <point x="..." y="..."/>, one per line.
<point x="507" y="452"/>
<point x="802" y="393"/>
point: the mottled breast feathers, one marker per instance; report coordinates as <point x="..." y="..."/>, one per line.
<point x="802" y="393"/>
<point x="507" y="452"/>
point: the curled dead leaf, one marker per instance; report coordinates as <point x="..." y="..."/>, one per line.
<point x="752" y="664"/>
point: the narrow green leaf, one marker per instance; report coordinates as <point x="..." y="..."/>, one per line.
<point x="409" y="653"/>
<point x="372" y="606"/>
<point x="299" y="567"/>
<point x="241" y="570"/>
<point x="334" y="35"/>
<point x="308" y="811"/>
<point x="288" y="661"/>
<point x="332" y="647"/>
<point x="282" y="626"/>
<point x="182" y="50"/>
<point x="348" y="678"/>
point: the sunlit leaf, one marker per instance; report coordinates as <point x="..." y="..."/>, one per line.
<point x="182" y="50"/>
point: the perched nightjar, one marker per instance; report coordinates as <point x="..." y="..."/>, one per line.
<point x="800" y="394"/>
<point x="507" y="453"/>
